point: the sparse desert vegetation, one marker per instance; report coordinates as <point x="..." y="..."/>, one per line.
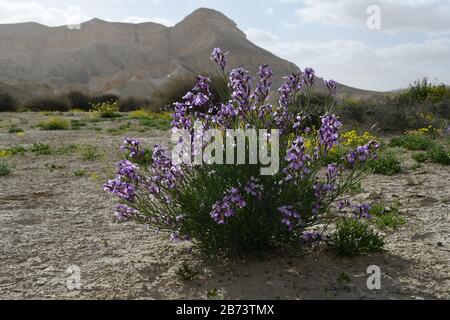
<point x="162" y="159"/>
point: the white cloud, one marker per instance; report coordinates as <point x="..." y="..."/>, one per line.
<point x="396" y="15"/>
<point x="162" y="21"/>
<point x="360" y="65"/>
<point x="13" y="12"/>
<point x="269" y="11"/>
<point x="261" y="36"/>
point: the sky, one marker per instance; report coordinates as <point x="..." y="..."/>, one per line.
<point x="370" y="44"/>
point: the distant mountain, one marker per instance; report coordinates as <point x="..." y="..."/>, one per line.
<point x="123" y="58"/>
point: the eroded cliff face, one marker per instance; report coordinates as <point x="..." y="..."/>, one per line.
<point x="128" y="59"/>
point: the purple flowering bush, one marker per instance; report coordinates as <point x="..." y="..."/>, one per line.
<point x="231" y="209"/>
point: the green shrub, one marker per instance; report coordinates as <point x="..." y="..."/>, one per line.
<point x="436" y="154"/>
<point x="15" y="129"/>
<point x="386" y="164"/>
<point x="421" y="157"/>
<point x="77" y="124"/>
<point x="106" y="110"/>
<point x="412" y="142"/>
<point x="12" y="151"/>
<point x="54" y="124"/>
<point x="354" y="237"/>
<point x="186" y="272"/>
<point x="79" y="172"/>
<point x="5" y="168"/>
<point x="90" y="153"/>
<point x="79" y="100"/>
<point x="386" y="217"/>
<point x="439" y="155"/>
<point x="47" y="103"/>
<point x="132" y="104"/>
<point x="237" y="209"/>
<point x="7" y="103"/>
<point x="41" y="149"/>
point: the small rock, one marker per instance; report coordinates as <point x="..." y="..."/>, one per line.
<point x="440" y="244"/>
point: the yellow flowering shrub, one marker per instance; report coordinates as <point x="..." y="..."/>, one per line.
<point x="353" y="139"/>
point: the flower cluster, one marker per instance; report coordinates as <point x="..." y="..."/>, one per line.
<point x="164" y="171"/>
<point x="291" y="217"/>
<point x="128" y="170"/>
<point x="362" y="153"/>
<point x="308" y="77"/>
<point x="263" y="87"/>
<point x="362" y="211"/>
<point x="240" y="84"/>
<point x="123" y="190"/>
<point x="218" y="56"/>
<point x="199" y="96"/>
<point x="331" y="85"/>
<point x="328" y="132"/>
<point x="254" y="188"/>
<point x="132" y="146"/>
<point x="227" y="206"/>
<point x="297" y="160"/>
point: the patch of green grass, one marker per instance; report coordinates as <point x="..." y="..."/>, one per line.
<point x="90" y="153"/>
<point x="386" y="217"/>
<point x="420" y="157"/>
<point x="77" y="124"/>
<point x="54" y="124"/>
<point x="5" y="168"/>
<point x="12" y="151"/>
<point x="15" y="129"/>
<point x="186" y="272"/>
<point x="386" y="164"/>
<point x="413" y="142"/>
<point x="343" y="278"/>
<point x="41" y="149"/>
<point x="355" y="237"/>
<point x="214" y="294"/>
<point x="79" y="172"/>
<point x="436" y="154"/>
<point x="156" y="123"/>
<point x="64" y="150"/>
<point x="439" y="155"/>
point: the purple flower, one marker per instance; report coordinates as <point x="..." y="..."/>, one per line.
<point x="164" y="171"/>
<point x="227" y="206"/>
<point x="328" y="132"/>
<point x="263" y="87"/>
<point x="122" y="189"/>
<point x="331" y="85"/>
<point x="219" y="57"/>
<point x="362" y="211"/>
<point x="308" y="77"/>
<point x="311" y="236"/>
<point x="240" y="83"/>
<point x="298" y="160"/>
<point x="253" y="188"/>
<point x="362" y="153"/>
<point x="127" y="169"/>
<point x="123" y="212"/>
<point x="291" y="217"/>
<point x="332" y="172"/>
<point x="132" y="145"/>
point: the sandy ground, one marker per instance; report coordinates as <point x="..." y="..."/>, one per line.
<point x="51" y="220"/>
